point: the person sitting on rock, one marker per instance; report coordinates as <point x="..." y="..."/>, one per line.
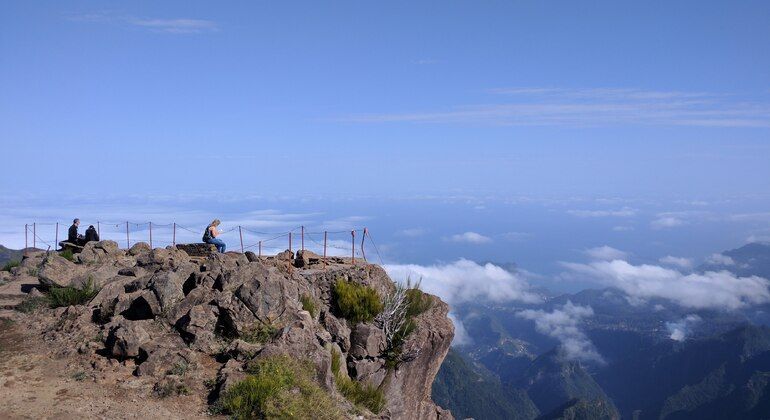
<point x="73" y="237"/>
<point x="92" y="234"/>
<point x="210" y="236"/>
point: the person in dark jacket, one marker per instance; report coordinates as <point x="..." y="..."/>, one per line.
<point x="92" y="234"/>
<point x="72" y="236"/>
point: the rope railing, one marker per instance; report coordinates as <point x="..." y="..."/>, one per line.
<point x="334" y="243"/>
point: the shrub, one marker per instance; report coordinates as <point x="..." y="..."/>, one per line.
<point x="31" y="304"/>
<point x="79" y="376"/>
<point x="259" y="333"/>
<point x="359" y="394"/>
<point x="67" y="253"/>
<point x="308" y="304"/>
<point x="397" y="321"/>
<point x="66" y="296"/>
<point x="356" y="302"/>
<point x="278" y="387"/>
<point x="10" y="264"/>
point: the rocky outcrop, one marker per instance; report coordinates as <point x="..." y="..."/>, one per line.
<point x="158" y="308"/>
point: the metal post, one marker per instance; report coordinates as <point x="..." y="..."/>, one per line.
<point x="150" y="235"/>
<point x="289" y="241"/>
<point x="241" y="235"/>
<point x="363" y="237"/>
<point x="353" y="253"/>
<point x="173" y="238"/>
<point x="303" y="238"/>
<point x="98" y="230"/>
<point x="26" y="232"/>
<point x="55" y="244"/>
<point x="260" y="248"/>
<point x="325" y="233"/>
<point x="128" y="240"/>
<point x="34" y="235"/>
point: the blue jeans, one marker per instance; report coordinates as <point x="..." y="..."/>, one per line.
<point x="218" y="242"/>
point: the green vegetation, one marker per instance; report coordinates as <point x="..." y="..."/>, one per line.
<point x="278" y="387"/>
<point x="79" y="376"/>
<point x="66" y="296"/>
<point x="180" y="368"/>
<point x="10" y="264"/>
<point x="260" y="333"/>
<point x="308" y="304"/>
<point x="168" y="388"/>
<point x="32" y="271"/>
<point x="415" y="302"/>
<point x="67" y="254"/>
<point x="31" y="304"/>
<point x="356" y="302"/>
<point x="359" y="394"/>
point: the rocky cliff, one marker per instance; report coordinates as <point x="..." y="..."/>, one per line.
<point x="162" y="314"/>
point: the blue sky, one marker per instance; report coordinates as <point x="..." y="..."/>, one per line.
<point x="439" y="117"/>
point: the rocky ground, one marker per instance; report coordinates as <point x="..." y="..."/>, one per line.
<point x="167" y="333"/>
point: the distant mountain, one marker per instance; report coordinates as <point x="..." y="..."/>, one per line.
<point x="469" y="391"/>
<point x="749" y="260"/>
<point x="579" y="409"/>
<point x="550" y="381"/>
<point x="724" y="376"/>
<point x="7" y="254"/>
<point x="721" y="369"/>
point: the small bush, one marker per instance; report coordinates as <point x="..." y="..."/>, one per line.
<point x="260" y="333"/>
<point x="67" y="253"/>
<point x="66" y="296"/>
<point x="356" y="302"/>
<point x="398" y="321"/>
<point x="79" y="376"/>
<point x="32" y="304"/>
<point x="308" y="304"/>
<point x="32" y="271"/>
<point x="278" y="387"/>
<point x="180" y="368"/>
<point x="168" y="388"/>
<point x="363" y="395"/>
<point x="10" y="264"/>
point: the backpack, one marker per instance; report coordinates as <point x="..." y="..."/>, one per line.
<point x="207" y="234"/>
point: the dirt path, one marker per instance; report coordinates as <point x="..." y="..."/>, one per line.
<point x="34" y="383"/>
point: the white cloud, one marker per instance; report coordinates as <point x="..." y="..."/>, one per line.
<point x="175" y="26"/>
<point x="719" y="259"/>
<point x="710" y="290"/>
<point x="461" y="337"/>
<point x="590" y="107"/>
<point x="171" y="25"/>
<point x="466" y="281"/>
<point x="622" y="228"/>
<point x="471" y="238"/>
<point x="679" y="330"/>
<point x="623" y="212"/>
<point x="605" y="253"/>
<point x="682" y="262"/>
<point x="411" y="233"/>
<point x="562" y="324"/>
<point x="665" y="222"/>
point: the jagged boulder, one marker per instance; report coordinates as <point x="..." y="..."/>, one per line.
<point x="56" y="271"/>
<point x="96" y="252"/>
<point x="198" y="249"/>
<point x="126" y="338"/>
<point x="366" y="340"/>
<point x="198" y="325"/>
<point x="306" y="258"/>
<point x="139" y="248"/>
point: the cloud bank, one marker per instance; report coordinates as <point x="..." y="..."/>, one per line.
<point x="466" y="281"/>
<point x="709" y="290"/>
<point x="562" y="324"/>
